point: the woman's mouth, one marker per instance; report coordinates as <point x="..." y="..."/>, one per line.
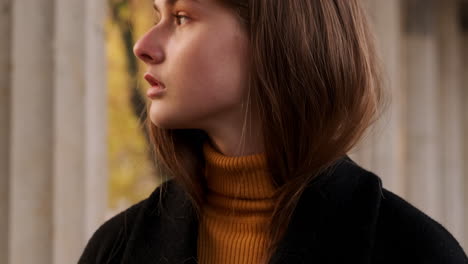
<point x="157" y="88"/>
<point x="152" y="80"/>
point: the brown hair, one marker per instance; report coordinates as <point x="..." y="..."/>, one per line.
<point x="315" y="81"/>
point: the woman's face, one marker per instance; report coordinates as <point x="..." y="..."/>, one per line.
<point x="201" y="59"/>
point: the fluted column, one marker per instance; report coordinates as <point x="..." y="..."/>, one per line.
<point x="388" y="133"/>
<point x="95" y="117"/>
<point x="55" y="160"/>
<point x="80" y="126"/>
<point x="423" y="168"/>
<point x="463" y="14"/>
<point x="363" y="152"/>
<point x="451" y="119"/>
<point x="30" y="215"/>
<point x="69" y="128"/>
<point x="5" y="70"/>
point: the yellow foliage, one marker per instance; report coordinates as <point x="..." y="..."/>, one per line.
<point x="131" y="174"/>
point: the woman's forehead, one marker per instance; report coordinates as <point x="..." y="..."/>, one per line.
<point x="157" y="4"/>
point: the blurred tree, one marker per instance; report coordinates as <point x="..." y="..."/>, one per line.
<point x="132" y="175"/>
<point x="121" y="14"/>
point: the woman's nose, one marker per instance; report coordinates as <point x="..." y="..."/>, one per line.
<point x="148" y="51"/>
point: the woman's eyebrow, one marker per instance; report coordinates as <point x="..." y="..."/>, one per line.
<point x="172" y="3"/>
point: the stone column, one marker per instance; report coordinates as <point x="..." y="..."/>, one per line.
<point x="95" y="116"/>
<point x="363" y="152"/>
<point x="69" y="127"/>
<point x="56" y="155"/>
<point x="30" y="216"/>
<point x="5" y="68"/>
<point x="423" y="169"/>
<point x="388" y="132"/>
<point x="80" y="126"/>
<point x="463" y="15"/>
<point x="451" y="121"/>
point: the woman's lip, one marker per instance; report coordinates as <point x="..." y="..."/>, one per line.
<point x="152" y="80"/>
<point x="157" y="88"/>
<point x="155" y="92"/>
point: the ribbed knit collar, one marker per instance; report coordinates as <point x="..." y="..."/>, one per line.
<point x="241" y="177"/>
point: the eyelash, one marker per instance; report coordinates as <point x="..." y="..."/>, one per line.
<point x="176" y="16"/>
<point x="179" y="16"/>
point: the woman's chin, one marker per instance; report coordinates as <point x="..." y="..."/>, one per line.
<point x="164" y="121"/>
<point x="158" y="118"/>
<point x="160" y="122"/>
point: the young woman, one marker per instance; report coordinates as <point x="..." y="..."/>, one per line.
<point x="253" y="105"/>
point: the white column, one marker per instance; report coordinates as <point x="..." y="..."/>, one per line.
<point x="423" y="170"/>
<point x="69" y="127"/>
<point x="5" y="50"/>
<point x="464" y="87"/>
<point x="465" y="134"/>
<point x="95" y="116"/>
<point x="31" y="162"/>
<point x="80" y="126"/>
<point x="56" y="153"/>
<point x="388" y="132"/>
<point x="362" y="153"/>
<point x="451" y="121"/>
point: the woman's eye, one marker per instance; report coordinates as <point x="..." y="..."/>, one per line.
<point x="179" y="18"/>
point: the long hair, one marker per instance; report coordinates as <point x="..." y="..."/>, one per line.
<point x="315" y="80"/>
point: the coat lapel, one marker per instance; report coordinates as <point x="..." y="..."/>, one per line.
<point x="166" y="234"/>
<point x="334" y="222"/>
<point x="335" y="219"/>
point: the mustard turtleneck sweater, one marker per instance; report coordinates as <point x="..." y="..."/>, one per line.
<point x="239" y="202"/>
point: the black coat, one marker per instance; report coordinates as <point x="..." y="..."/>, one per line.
<point x="344" y="216"/>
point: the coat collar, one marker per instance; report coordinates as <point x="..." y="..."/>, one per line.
<point x="334" y="222"/>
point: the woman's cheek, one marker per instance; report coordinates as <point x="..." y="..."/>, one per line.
<point x="205" y="80"/>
